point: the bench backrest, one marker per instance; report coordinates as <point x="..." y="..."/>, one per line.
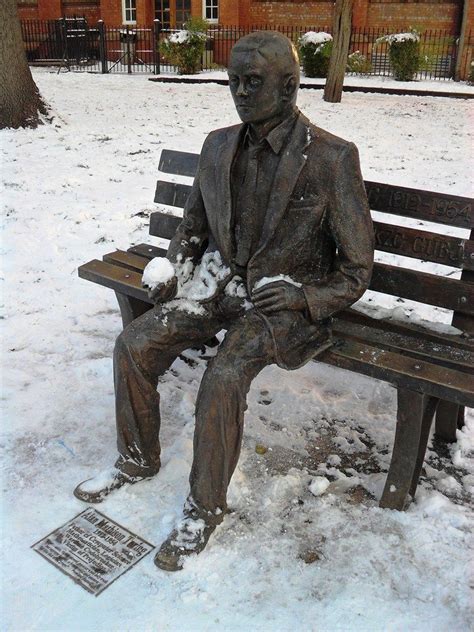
<point x="397" y="280"/>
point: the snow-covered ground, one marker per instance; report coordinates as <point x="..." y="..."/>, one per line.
<point x="286" y="558"/>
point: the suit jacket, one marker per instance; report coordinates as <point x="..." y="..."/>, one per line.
<point x="317" y="230"/>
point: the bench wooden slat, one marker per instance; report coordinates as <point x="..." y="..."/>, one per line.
<point x="424" y="245"/>
<point x="114" y="277"/>
<point x="406" y="344"/>
<point x="403" y="371"/>
<point x="127" y="260"/>
<point x="408" y="328"/>
<point x="423" y="287"/>
<point x="441" y="208"/>
<point x="147" y="250"/>
<point x="181" y="163"/>
<point x="163" y="225"/>
<point x="171" y="193"/>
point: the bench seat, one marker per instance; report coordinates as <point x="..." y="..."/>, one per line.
<point x="392" y="352"/>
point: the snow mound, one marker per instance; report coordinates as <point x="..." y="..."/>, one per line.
<point x="158" y="272"/>
<point x="319" y="485"/>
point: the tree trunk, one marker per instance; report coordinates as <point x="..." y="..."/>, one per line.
<point x="461" y="53"/>
<point x="342" y="24"/>
<point x="20" y="100"/>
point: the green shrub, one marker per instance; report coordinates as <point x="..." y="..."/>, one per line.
<point x="404" y="54"/>
<point x="358" y="63"/>
<point x="315" y="53"/>
<point x="185" y="48"/>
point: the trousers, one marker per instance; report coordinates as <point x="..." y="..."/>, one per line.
<point x="145" y="350"/>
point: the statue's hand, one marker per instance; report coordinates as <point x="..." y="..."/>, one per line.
<point x="279" y="296"/>
<point x="163" y="292"/>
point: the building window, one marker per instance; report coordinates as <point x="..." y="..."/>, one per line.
<point x="163" y="13"/>
<point x="210" y="10"/>
<point x="129" y="11"/>
<point x="183" y="12"/>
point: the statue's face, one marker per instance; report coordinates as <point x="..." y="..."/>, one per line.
<point x="256" y="87"/>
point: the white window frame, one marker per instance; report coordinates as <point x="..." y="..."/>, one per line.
<point x="125" y="9"/>
<point x="204" y="6"/>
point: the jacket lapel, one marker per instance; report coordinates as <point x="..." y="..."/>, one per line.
<point x="224" y="158"/>
<point x="289" y="168"/>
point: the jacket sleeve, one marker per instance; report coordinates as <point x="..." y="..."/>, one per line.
<point x="190" y="239"/>
<point x="350" y="225"/>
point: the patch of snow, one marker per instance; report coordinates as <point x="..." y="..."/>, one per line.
<point x="273" y="279"/>
<point x="180" y="37"/>
<point x="236" y="288"/>
<point x="410" y="36"/>
<point x="158" y="271"/>
<point x="312" y="37"/>
<point x="103" y="480"/>
<point x="184" y="305"/>
<point x="319" y="485"/>
<point x="208" y="275"/>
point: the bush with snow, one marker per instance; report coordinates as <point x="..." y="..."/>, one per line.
<point x="185" y="48"/>
<point x="404" y="54"/>
<point x="358" y="63"/>
<point x="315" y="53"/>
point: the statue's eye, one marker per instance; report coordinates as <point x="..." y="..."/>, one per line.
<point x="233" y="81"/>
<point x="255" y="81"/>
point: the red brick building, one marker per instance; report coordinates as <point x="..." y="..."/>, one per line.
<point x="396" y="14"/>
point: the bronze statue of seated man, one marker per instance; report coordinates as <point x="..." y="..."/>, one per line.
<point x="276" y="237"/>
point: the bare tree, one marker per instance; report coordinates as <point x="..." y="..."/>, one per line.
<point x="20" y="100"/>
<point x="342" y="25"/>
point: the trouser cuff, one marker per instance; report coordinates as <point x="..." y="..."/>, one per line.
<point x="133" y="469"/>
<point x="193" y="510"/>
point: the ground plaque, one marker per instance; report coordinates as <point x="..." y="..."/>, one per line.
<point x="93" y="550"/>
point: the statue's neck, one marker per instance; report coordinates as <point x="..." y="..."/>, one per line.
<point x="262" y="129"/>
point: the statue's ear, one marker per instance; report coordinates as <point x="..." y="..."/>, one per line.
<point x="290" y="86"/>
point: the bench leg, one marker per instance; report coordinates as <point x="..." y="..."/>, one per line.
<point x="449" y="417"/>
<point x="131" y="308"/>
<point x="415" y="413"/>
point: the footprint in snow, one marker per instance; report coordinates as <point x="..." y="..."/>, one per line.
<point x="264" y="398"/>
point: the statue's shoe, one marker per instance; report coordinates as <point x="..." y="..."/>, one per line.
<point x="189" y="538"/>
<point x="95" y="489"/>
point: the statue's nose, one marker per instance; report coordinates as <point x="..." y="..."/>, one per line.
<point x="241" y="90"/>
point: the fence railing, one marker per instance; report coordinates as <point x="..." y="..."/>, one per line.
<point x="79" y="46"/>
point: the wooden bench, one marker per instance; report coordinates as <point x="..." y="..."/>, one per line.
<point x="433" y="372"/>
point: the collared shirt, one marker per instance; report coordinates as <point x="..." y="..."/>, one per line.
<point x="252" y="175"/>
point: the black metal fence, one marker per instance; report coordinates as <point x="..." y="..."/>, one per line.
<point x="74" y="44"/>
<point x="79" y="46"/>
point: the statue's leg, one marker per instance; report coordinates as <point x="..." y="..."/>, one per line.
<point x="221" y="403"/>
<point x="143" y="352"/>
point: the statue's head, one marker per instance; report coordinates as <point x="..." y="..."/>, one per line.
<point x="264" y="76"/>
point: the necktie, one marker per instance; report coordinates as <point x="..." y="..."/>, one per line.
<point x="248" y="202"/>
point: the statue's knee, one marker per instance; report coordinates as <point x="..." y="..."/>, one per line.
<point x="223" y="374"/>
<point x="126" y="342"/>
